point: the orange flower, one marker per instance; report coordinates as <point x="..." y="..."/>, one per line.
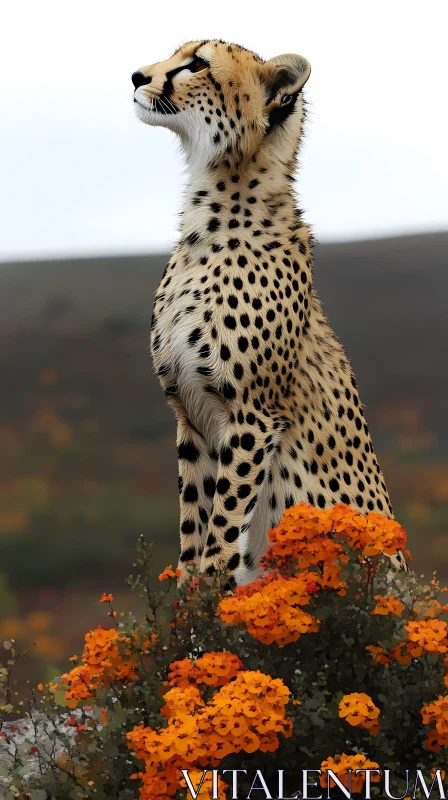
<point x="436" y="714"/>
<point x="340" y="766"/>
<point x="379" y="655"/>
<point x="272" y="611"/>
<point x="311" y="536"/>
<point x="371" y="533"/>
<point x="106" y="598"/>
<point x="442" y="772"/>
<point x="388" y="605"/>
<point x="182" y="673"/>
<point x="427" y="636"/>
<point x="107" y="657"/>
<point x="215" y="669"/>
<point x="168" y="572"/>
<point x="359" y="709"/>
<point x="302" y="535"/>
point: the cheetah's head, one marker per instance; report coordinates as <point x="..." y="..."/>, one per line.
<point x="223" y="100"/>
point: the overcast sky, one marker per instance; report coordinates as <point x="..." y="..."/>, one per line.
<point x="79" y="174"/>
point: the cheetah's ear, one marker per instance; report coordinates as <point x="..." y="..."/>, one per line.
<point x="284" y="77"/>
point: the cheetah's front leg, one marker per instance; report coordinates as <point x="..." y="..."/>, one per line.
<point x="197" y="478"/>
<point x="244" y="465"/>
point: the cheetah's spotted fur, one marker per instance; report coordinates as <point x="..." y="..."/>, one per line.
<point x="266" y="404"/>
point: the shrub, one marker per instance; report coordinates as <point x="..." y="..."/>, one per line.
<point x="330" y="660"/>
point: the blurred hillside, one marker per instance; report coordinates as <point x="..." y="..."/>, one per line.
<point x="88" y="458"/>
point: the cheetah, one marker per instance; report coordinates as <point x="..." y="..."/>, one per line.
<point x="266" y="404"/>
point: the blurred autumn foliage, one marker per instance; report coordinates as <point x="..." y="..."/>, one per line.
<point x="87" y="442"/>
<point x="87" y="466"/>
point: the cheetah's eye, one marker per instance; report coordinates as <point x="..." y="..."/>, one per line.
<point x="286" y="99"/>
<point x="198" y="65"/>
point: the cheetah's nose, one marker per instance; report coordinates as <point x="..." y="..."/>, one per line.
<point x="138" y="79"/>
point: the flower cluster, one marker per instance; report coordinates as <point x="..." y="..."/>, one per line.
<point x="274" y="613"/>
<point x="371" y="534"/>
<point x="436" y="714"/>
<point x="308" y="550"/>
<point x="340" y="766"/>
<point x="108" y="656"/>
<point x="214" y="669"/>
<point x="302" y="539"/>
<point x="388" y="605"/>
<point x="247" y="714"/>
<point x="358" y="709"/>
<point x="311" y="536"/>
<point x="426" y="636"/>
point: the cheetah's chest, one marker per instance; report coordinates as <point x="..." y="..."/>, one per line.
<point x="183" y="351"/>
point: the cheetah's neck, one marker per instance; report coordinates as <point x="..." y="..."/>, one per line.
<point x="254" y="202"/>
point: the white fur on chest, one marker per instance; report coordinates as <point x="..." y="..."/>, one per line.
<point x="205" y="409"/>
